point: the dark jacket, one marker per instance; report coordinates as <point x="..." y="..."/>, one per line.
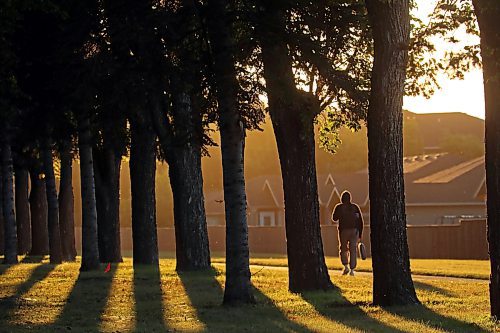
<point x="349" y="216"/>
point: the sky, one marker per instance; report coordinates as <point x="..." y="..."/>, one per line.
<point x="455" y="95"/>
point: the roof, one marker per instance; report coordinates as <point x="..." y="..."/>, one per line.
<point x="437" y="179"/>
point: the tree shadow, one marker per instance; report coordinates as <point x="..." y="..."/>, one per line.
<point x="205" y="294"/>
<point x="86" y="302"/>
<point x="149" y="311"/>
<point x="434" y="289"/>
<point x="29" y="259"/>
<point x="11" y="303"/>
<point x="421" y="313"/>
<point x="333" y="305"/>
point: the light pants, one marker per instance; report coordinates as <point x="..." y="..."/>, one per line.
<point x="348" y="241"/>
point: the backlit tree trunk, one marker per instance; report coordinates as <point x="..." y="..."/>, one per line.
<point x="238" y="286"/>
<point x="142" y="181"/>
<point x="392" y="283"/>
<point x="53" y="206"/>
<point x="10" y="244"/>
<point x="38" y="212"/>
<point x="292" y="114"/>
<point x="186" y="180"/>
<point x="67" y="205"/>
<point x="90" y="251"/>
<point x="107" y="179"/>
<point x="488" y="13"/>
<point x="2" y="243"/>
<point x="23" y="220"/>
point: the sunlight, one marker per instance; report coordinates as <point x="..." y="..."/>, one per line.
<point x="32" y="293"/>
<point x="119" y="311"/>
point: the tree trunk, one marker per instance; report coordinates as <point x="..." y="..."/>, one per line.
<point x="67" y="205"/>
<point x="23" y="220"/>
<point x="186" y="180"/>
<point x="107" y="180"/>
<point x="2" y="225"/>
<point x="238" y="286"/>
<point x="53" y="205"/>
<point x="10" y="245"/>
<point x="488" y="12"/>
<point x="90" y="251"/>
<point x="392" y="283"/>
<point x="292" y="114"/>
<point x="39" y="212"/>
<point x="142" y="180"/>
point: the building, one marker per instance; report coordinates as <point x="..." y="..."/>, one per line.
<point x="439" y="189"/>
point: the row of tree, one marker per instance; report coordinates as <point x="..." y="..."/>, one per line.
<point x="106" y="79"/>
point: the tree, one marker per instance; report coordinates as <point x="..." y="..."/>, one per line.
<point x="139" y="57"/>
<point x="107" y="163"/>
<point x="38" y="211"/>
<point x="90" y="250"/>
<point x="10" y="233"/>
<point x="23" y="220"/>
<point x="488" y="12"/>
<point x="392" y="283"/>
<point x="2" y="242"/>
<point x="293" y="112"/>
<point x="55" y="249"/>
<point x="238" y="287"/>
<point x="67" y="203"/>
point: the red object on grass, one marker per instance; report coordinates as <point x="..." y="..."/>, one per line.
<point x="108" y="268"/>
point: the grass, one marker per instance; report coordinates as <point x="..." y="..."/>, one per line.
<point x="477" y="269"/>
<point x="39" y="297"/>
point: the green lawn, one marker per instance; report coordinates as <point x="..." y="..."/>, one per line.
<point x="39" y="297"/>
<point x="479" y="269"/>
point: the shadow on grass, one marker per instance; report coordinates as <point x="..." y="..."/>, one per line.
<point x="333" y="305"/>
<point x="10" y="304"/>
<point x="433" y="288"/>
<point x="28" y="259"/>
<point x="86" y="302"/>
<point x="206" y="294"/>
<point x="148" y="297"/>
<point x="423" y="314"/>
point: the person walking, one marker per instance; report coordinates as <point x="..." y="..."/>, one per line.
<point x="350" y="227"/>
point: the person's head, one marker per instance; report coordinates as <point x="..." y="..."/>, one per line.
<point x="346" y="197"/>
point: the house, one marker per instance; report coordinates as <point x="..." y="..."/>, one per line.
<point x="439" y="189"/>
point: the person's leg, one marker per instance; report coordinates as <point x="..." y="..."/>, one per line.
<point x="343" y="249"/>
<point x="353" y="243"/>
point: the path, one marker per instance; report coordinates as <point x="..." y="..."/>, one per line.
<point x="369" y="274"/>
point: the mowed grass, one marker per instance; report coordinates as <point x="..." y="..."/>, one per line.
<point x="39" y="297"/>
<point x="477" y="269"/>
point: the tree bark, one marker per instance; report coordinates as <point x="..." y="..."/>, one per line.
<point x="292" y="113"/>
<point x="488" y="12"/>
<point x="67" y="205"/>
<point x="39" y="212"/>
<point x="392" y="283"/>
<point x="10" y="233"/>
<point x="2" y="225"/>
<point x="186" y="180"/>
<point x="142" y="180"/>
<point x="107" y="180"/>
<point x="90" y="250"/>
<point x="238" y="287"/>
<point x="23" y="219"/>
<point x="53" y="205"/>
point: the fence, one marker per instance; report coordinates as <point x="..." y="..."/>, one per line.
<point x="465" y="240"/>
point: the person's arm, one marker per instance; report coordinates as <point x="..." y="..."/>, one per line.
<point x="360" y="222"/>
<point x="335" y="215"/>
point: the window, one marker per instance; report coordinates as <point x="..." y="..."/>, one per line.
<point x="267" y="219"/>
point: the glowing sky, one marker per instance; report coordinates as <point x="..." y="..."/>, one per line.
<point x="455" y="95"/>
